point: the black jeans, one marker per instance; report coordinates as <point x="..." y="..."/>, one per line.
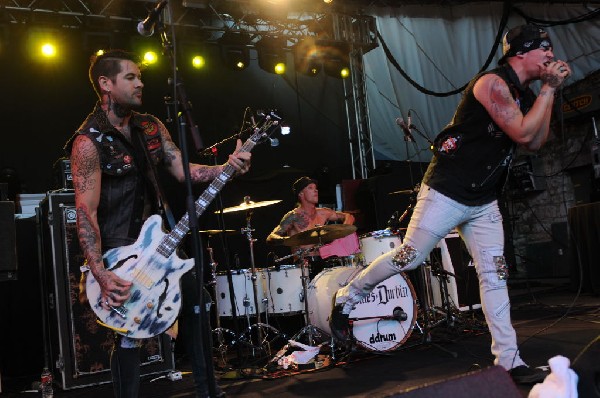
<point x="125" y="362"/>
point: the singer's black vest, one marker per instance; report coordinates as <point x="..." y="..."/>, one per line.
<point x="472" y="154"/>
<point x="125" y="189"/>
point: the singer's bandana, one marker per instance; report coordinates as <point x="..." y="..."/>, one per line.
<point x="523" y="39"/>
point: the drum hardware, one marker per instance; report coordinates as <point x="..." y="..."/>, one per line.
<point x="431" y="314"/>
<point x="317" y="236"/>
<point x="257" y="334"/>
<point x="222" y="338"/>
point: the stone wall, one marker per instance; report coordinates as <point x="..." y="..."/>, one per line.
<point x="538" y="215"/>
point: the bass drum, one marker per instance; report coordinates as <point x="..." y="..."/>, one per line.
<point x="372" y="327"/>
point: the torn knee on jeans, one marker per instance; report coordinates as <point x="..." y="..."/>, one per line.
<point x="405" y="255"/>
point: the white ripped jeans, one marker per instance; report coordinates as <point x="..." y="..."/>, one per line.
<point x="434" y="216"/>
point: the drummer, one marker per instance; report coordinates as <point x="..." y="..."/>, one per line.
<point x="305" y="216"/>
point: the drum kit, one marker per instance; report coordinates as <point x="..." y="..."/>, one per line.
<point x="381" y="322"/>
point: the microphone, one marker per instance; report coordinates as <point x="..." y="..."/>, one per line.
<point x="405" y="128"/>
<point x="399" y="314"/>
<point x="146" y="27"/>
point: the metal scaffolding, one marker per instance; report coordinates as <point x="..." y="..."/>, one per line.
<point x="347" y="29"/>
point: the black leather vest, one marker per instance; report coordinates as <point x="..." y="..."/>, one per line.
<point x="125" y="188"/>
<point x="472" y="154"/>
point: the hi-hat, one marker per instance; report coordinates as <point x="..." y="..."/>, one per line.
<point x="248" y="205"/>
<point x="320" y="234"/>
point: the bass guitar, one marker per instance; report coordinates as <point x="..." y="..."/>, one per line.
<point x="152" y="264"/>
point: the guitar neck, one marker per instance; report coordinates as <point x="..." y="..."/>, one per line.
<point x="174" y="238"/>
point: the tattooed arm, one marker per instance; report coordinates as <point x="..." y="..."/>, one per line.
<point x="286" y="225"/>
<point x="529" y="130"/>
<point x="198" y="172"/>
<point x="87" y="177"/>
<point x="332" y="215"/>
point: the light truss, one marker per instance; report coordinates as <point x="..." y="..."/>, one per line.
<point x="308" y="18"/>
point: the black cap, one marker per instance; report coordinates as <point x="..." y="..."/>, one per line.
<point x="522" y="39"/>
<point x="302" y="183"/>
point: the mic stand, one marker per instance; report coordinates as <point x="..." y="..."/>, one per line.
<point x="179" y="94"/>
<point x="221" y="222"/>
<point x="213" y="148"/>
<point x="422" y="135"/>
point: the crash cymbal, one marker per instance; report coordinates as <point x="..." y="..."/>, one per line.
<point x="213" y="232"/>
<point x="320" y="234"/>
<point x="403" y="192"/>
<point x="248" y="205"/>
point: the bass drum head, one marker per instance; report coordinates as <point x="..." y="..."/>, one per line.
<point x="374" y="333"/>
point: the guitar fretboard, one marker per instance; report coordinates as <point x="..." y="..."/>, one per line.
<point x="171" y="240"/>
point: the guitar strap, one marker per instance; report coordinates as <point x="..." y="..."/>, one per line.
<point x="163" y="205"/>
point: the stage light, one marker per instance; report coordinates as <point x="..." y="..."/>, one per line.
<point x="307" y="58"/>
<point x="198" y="62"/>
<point x="150" y="58"/>
<point x="44" y="44"/>
<point x="337" y="65"/>
<point x="271" y="57"/>
<point x="235" y="52"/>
<point x="280" y="68"/>
<point x="48" y="50"/>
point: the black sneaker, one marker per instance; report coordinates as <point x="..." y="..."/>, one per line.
<point x="526" y="375"/>
<point x="338" y="321"/>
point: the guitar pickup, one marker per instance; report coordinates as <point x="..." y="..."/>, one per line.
<point x="143" y="279"/>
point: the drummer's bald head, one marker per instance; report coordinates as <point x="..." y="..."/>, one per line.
<point x="302" y="183"/>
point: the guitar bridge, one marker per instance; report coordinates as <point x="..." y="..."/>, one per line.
<point x="121" y="311"/>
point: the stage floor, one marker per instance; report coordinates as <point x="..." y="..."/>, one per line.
<point x="548" y="319"/>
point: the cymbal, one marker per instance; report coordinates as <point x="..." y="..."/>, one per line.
<point x="403" y="192"/>
<point x="213" y="232"/>
<point x="320" y="234"/>
<point x="248" y="205"/>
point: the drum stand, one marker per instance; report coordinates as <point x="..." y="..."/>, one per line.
<point x="309" y="330"/>
<point x="259" y="331"/>
<point x="429" y="311"/>
<point x="220" y="342"/>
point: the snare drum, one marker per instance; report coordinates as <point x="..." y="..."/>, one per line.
<point x="284" y="289"/>
<point x="376" y="243"/>
<point x="243" y="292"/>
<point x="373" y="326"/>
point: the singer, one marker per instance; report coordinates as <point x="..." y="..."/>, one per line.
<point x="497" y="112"/>
<point x="113" y="196"/>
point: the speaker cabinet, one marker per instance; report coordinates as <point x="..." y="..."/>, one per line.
<point x="492" y="382"/>
<point x="8" y="242"/>
<point x="463" y="288"/>
<point x="79" y="347"/>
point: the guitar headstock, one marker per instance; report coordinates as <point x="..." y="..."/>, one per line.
<point x="267" y="123"/>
